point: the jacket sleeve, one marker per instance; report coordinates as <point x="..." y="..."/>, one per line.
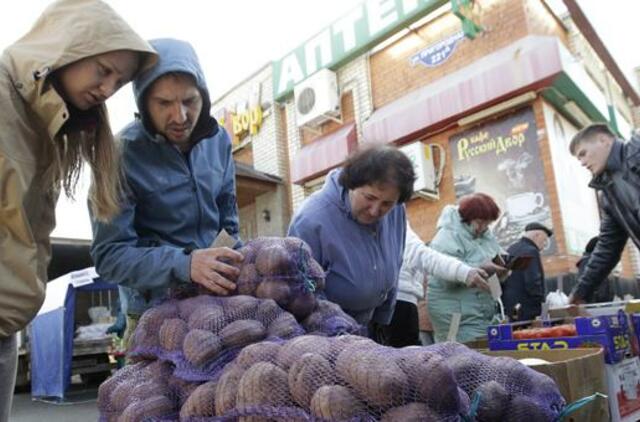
<point x="120" y="258"/>
<point x="22" y="256"/>
<point x="605" y="256"/>
<point x="447" y="243"/>
<point x="227" y="200"/>
<point x="422" y="258"/>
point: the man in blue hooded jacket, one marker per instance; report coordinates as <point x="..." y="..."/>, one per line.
<point x="180" y="191"/>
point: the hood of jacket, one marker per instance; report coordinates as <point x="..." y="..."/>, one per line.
<point x="67" y="31"/>
<point x="175" y="56"/>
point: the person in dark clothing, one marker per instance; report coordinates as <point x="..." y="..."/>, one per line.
<point x="603" y="293"/>
<point x="523" y="292"/>
<point x="615" y="166"/>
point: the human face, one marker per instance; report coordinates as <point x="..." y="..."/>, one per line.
<point x="593" y="153"/>
<point x="174" y="104"/>
<point x="89" y="82"/>
<point x="541" y="239"/>
<point x="369" y="203"/>
<point x="480" y="226"/>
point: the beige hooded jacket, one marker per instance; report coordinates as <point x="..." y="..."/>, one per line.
<point x="32" y="115"/>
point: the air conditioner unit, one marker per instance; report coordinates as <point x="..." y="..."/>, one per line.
<point x="317" y="99"/>
<point x="427" y="176"/>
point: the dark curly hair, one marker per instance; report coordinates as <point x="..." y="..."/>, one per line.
<point x="379" y="164"/>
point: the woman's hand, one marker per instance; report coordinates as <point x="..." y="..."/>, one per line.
<point x="477" y="278"/>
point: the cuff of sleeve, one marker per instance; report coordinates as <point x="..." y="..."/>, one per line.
<point x="182" y="266"/>
<point x="463" y="273"/>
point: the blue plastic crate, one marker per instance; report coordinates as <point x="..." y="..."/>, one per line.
<point x="610" y="331"/>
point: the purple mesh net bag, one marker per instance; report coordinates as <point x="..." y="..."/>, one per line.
<point x="329" y="319"/>
<point x="281" y="269"/>
<point x="345" y="378"/>
<point x="139" y="392"/>
<point x="201" y="334"/>
<point x="507" y="390"/>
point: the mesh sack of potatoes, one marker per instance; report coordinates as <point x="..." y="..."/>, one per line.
<point x="201" y="334"/>
<point x="141" y="391"/>
<point x="505" y="389"/>
<point x="344" y="378"/>
<point x="329" y="319"/>
<point x="281" y="269"/>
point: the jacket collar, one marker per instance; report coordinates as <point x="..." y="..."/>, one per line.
<point x="615" y="163"/>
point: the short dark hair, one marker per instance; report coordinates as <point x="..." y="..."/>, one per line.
<point x="478" y="206"/>
<point x="587" y="134"/>
<point x="379" y="164"/>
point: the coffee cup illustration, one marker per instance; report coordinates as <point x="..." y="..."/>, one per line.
<point x="523" y="204"/>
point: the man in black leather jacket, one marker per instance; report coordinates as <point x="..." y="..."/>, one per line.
<point x="615" y="166"/>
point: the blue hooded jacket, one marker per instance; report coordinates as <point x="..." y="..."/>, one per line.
<point x="175" y="201"/>
<point x="362" y="263"/>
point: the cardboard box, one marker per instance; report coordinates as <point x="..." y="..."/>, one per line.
<point x="577" y="372"/>
<point x="623" y="383"/>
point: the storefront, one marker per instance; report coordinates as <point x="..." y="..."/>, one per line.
<point x="502" y="106"/>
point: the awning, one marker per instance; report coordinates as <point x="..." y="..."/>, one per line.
<point x="530" y="63"/>
<point x="323" y="154"/>
<point x="251" y="183"/>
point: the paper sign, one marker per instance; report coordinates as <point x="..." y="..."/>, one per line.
<point x="495" y="287"/>
<point x="223" y="240"/>
<point x="454" y="326"/>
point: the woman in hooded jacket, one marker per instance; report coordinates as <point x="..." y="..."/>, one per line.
<point x="53" y="85"/>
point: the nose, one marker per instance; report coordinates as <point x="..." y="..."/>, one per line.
<point x="374" y="210"/>
<point x="179" y="113"/>
<point x="108" y="87"/>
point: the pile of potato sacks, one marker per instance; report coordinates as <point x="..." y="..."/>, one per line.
<point x="276" y="351"/>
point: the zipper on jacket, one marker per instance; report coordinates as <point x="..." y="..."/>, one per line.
<point x="185" y="159"/>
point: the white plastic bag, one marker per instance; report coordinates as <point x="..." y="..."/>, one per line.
<point x="557" y="299"/>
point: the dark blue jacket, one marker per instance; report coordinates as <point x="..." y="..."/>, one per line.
<point x="174" y="201"/>
<point x="525" y="287"/>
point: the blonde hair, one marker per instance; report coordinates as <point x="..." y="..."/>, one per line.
<point x="101" y="151"/>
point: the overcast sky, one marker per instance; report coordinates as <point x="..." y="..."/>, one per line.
<point x="233" y="39"/>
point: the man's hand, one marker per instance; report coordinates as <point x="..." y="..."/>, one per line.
<point x="575" y="300"/>
<point x="213" y="269"/>
<point x="476" y="278"/>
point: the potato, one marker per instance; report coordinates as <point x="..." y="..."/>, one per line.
<point x="172" y="333"/>
<point x="152" y="407"/>
<point x="181" y="389"/>
<point x="298" y="346"/>
<point x="187" y="306"/>
<point x="302" y="303"/>
<point x="264" y="351"/>
<point x="120" y="397"/>
<point x="240" y="307"/>
<point x="209" y="318"/>
<point x="227" y="389"/>
<point x="272" y="288"/>
<point x="267" y="311"/>
<point x="274" y="260"/>
<point x="431" y="378"/>
<point x="201" y="347"/>
<point x="336" y="402"/>
<point x="306" y="375"/>
<point x="242" y="332"/>
<point x="259" y="386"/>
<point x="201" y="402"/>
<point x="248" y="280"/>
<point x="285" y="326"/>
<point x="372" y="375"/>
<point x="494" y="400"/>
<point x="411" y="412"/>
<point x="523" y="408"/>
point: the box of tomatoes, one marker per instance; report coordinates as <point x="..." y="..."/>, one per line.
<point x="611" y="332"/>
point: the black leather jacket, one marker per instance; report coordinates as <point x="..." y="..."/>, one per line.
<point x="619" y="192"/>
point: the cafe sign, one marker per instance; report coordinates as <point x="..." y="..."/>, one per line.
<point x="245" y="118"/>
<point x="351" y="35"/>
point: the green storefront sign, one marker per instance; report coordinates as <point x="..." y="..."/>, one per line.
<point x="349" y="36"/>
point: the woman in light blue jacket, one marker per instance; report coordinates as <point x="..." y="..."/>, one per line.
<point x="463" y="233"/>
